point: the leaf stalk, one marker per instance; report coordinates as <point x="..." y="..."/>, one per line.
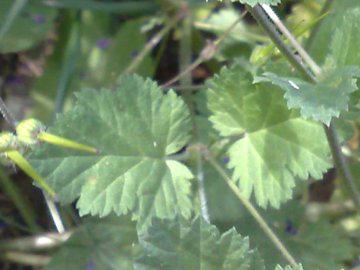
<point x="252" y="210"/>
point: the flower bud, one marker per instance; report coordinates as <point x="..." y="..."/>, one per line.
<point x="28" y="131"/>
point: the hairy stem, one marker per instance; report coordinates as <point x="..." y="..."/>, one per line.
<point x="252" y="210"/>
<point x="340" y="161"/>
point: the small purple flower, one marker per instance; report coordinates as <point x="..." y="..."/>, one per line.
<point x="134" y="54"/>
<point x="226" y="160"/>
<point x="103" y="43"/>
<point x="355" y="264"/>
<point x="14" y="81"/>
<point x="90" y="265"/>
<point x="38" y="18"/>
<point x="290" y="229"/>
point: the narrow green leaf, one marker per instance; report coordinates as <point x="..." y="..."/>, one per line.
<point x="273" y="144"/>
<point x="173" y="245"/>
<point x="321" y="101"/>
<point x="135" y="128"/>
<point x="344" y="46"/>
<point x="109" y="243"/>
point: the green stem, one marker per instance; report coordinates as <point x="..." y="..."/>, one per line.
<point x="260" y="16"/>
<point x="152" y="43"/>
<point x="252" y="210"/>
<point x="340" y="162"/>
<point x="206" y="53"/>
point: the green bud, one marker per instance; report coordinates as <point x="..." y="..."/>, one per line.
<point x="28" y="131"/>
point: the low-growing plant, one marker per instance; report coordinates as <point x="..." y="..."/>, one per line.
<point x="257" y="168"/>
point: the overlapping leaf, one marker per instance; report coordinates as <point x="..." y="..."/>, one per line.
<point x="317" y="245"/>
<point x="276" y="145"/>
<point x="98" y="244"/>
<point x="199" y="246"/>
<point x="134" y="127"/>
<point x="320" y="101"/>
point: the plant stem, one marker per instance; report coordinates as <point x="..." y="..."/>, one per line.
<point x="260" y="16"/>
<point x="303" y="54"/>
<point x="35" y="243"/>
<point x="206" y="53"/>
<point x="153" y="42"/>
<point x="340" y="162"/>
<point x="252" y="210"/>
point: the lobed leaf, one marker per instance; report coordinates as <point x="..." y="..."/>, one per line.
<point x="273" y="145"/>
<point x="135" y="128"/>
<point x="321" y="101"/>
<point x="175" y="245"/>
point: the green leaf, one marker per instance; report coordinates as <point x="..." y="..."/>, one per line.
<point x="345" y="43"/>
<point x="342" y="14"/>
<point x="317" y="244"/>
<point x="135" y="128"/>
<point x="176" y="246"/>
<point x="24" y="24"/>
<point x="98" y="244"/>
<point x="126" y="8"/>
<point x="273" y="145"/>
<point x="321" y="101"/>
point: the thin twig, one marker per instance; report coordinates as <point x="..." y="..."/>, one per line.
<point x="149" y="46"/>
<point x="305" y="56"/>
<point x="26" y="258"/>
<point x="206" y="53"/>
<point x="340" y="161"/>
<point x="8" y="117"/>
<point x="252" y="210"/>
<point x="35" y="243"/>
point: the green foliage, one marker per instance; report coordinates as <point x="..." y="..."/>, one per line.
<point x="109" y="243"/>
<point x="175" y="245"/>
<point x="134" y="128"/>
<point x="316" y="244"/>
<point x="145" y="163"/>
<point x="273" y="146"/>
<point x="23" y="26"/>
<point x="321" y="101"/>
<point x="346" y="41"/>
<point x="299" y="267"/>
